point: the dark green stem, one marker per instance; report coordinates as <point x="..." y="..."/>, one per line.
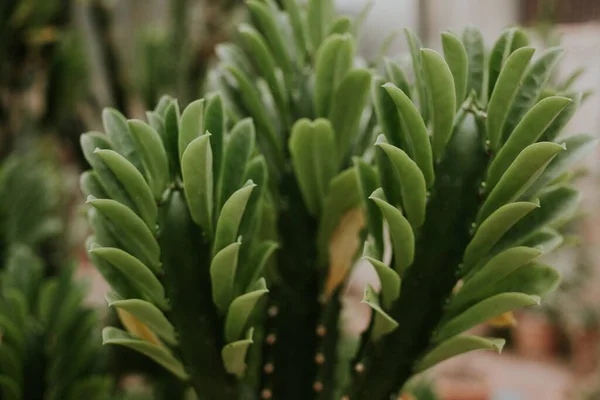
<point x="186" y="260"/>
<point x="295" y="299"/>
<point x="429" y="281"/>
<point x="327" y="353"/>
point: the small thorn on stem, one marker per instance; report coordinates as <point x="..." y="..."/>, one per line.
<point x="269" y="368"/>
<point x="317" y="386"/>
<point x="272" y="311"/>
<point x="266" y="394"/>
<point x="319" y="358"/>
<point x="321" y="331"/>
<point x="271" y="339"/>
<point x="359" y="368"/>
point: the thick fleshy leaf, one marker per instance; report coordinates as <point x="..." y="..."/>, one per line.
<point x="390" y="281"/>
<point x="419" y="138"/>
<point x="546" y="240"/>
<point x="238" y="150"/>
<point x="134" y="184"/>
<point x="555" y="128"/>
<point x="231" y="217"/>
<point x="411" y="181"/>
<point x="171" y="137"/>
<point x="319" y="15"/>
<point x="197" y="172"/>
<point x="455" y="346"/>
<point x="9" y="388"/>
<point x="388" y="117"/>
<point x="234" y="355"/>
<point x="223" y="269"/>
<point x="152" y="156"/>
<point x="239" y="313"/>
<point x="138" y="274"/>
<point x="146" y="313"/>
<point x="298" y="27"/>
<point x="526" y="168"/>
<point x="347" y="108"/>
<point x="395" y="75"/>
<point x="483" y="311"/>
<point x="159" y="354"/>
<point x="510" y="40"/>
<point x="383" y="324"/>
<point x="253" y="270"/>
<point x="368" y="182"/>
<point x="191" y="125"/>
<point x="527" y="132"/>
<point x="458" y="60"/>
<point x="312" y="148"/>
<point x="130" y="230"/>
<point x="493" y="228"/>
<point x="536" y="77"/>
<point x="403" y="238"/>
<point x="333" y="61"/>
<point x="90" y="185"/>
<point x="504" y="93"/>
<point x="577" y="147"/>
<point x="115" y="126"/>
<point x="473" y="42"/>
<point x="214" y="123"/>
<point x="494" y="270"/>
<point x="414" y="46"/>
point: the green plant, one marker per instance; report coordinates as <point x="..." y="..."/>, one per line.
<point x="227" y="231"/>
<point x="49" y="348"/>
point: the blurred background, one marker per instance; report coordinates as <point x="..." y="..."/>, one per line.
<point x="62" y="61"/>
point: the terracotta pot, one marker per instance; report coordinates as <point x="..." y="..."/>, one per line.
<point x="535" y="336"/>
<point x="463" y="390"/>
<point x="585" y="350"/>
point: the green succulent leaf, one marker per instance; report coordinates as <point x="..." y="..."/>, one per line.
<point x="526" y="168"/>
<point x="368" y="182"/>
<point x="529" y="129"/>
<point x="473" y="42"/>
<point x="555" y="128"/>
<point x="390" y="281"/>
<point x="403" y="238"/>
<point x="115" y="125"/>
<point x="458" y="61"/>
<point x="9" y="388"/>
<point x="239" y="313"/>
<point x="90" y="185"/>
<point x="231" y="217"/>
<point x="395" y="75"/>
<point x="234" y="355"/>
<point x="159" y="354"/>
<point x="312" y="149"/>
<point x="146" y="313"/>
<point x="411" y="181"/>
<point x="483" y="311"/>
<point x="130" y="230"/>
<point x="414" y="45"/>
<point x="455" y="346"/>
<point x="191" y="125"/>
<point x="546" y="240"/>
<point x="511" y="40"/>
<point x="383" y="324"/>
<point x="504" y="93"/>
<point x="152" y="156"/>
<point x="319" y="14"/>
<point x="334" y="60"/>
<point x="133" y="182"/>
<point x="223" y="269"/>
<point x="197" y="172"/>
<point x="214" y="123"/>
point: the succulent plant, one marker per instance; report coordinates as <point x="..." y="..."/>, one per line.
<point x="49" y="346"/>
<point x="228" y="230"/>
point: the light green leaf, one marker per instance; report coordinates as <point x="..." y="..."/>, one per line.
<point x="146" y="313"/>
<point x="340" y="25"/>
<point x="367" y="183"/>
<point x="239" y="313"/>
<point x="546" y="240"/>
<point x="577" y="147"/>
<point x="395" y="75"/>
<point x="11" y="363"/>
<point x="298" y="27"/>
<point x="333" y="61"/>
<point x="234" y="355"/>
<point x="223" y="269"/>
<point x="171" y="136"/>
<point x="251" y="272"/>
<point x="414" y="46"/>
<point x="526" y="168"/>
<point x="384" y="324"/>
<point x="132" y="180"/>
<point x="312" y="149"/>
<point x="483" y="311"/>
<point x="90" y="185"/>
<point x="319" y="14"/>
<point x="411" y="182"/>
<point x="511" y="40"/>
<point x="345" y="113"/>
<point x="214" y="123"/>
<point x="191" y="125"/>
<point x="403" y="238"/>
<point x="388" y="117"/>
<point x="390" y="281"/>
<point x="458" y="61"/>
<point x="152" y="156"/>
<point x="493" y="228"/>
<point x="197" y="172"/>
<point x="231" y="216"/>
<point x="555" y="128"/>
<point x="131" y="232"/>
<point x="138" y="275"/>
<point x="238" y="150"/>
<point x="473" y="42"/>
<point x="455" y="346"/>
<point x="494" y="270"/>
<point x="502" y="97"/>
<point x="529" y="129"/>
<point x="159" y="354"/>
<point x="115" y="125"/>
<point x="419" y="138"/>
